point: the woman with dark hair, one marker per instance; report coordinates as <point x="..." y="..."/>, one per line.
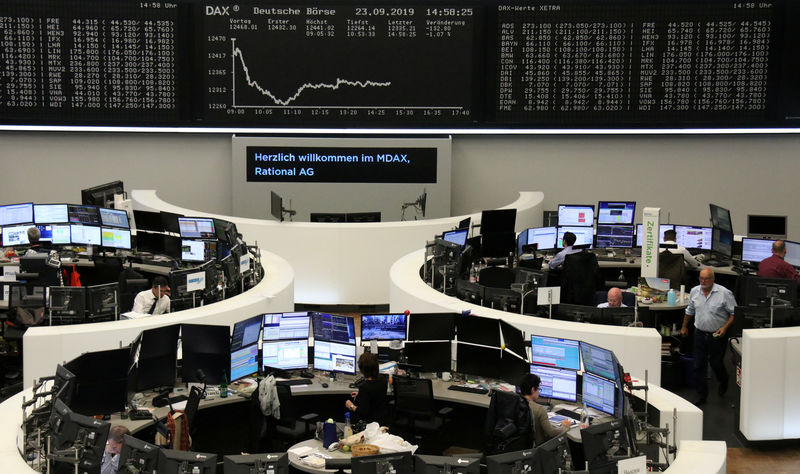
<point x="369" y="402"/>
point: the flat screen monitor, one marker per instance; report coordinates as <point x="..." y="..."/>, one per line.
<point x="471" y="292"/>
<point x="555" y="352"/>
<point x="12" y="214"/>
<point x="115" y="238"/>
<point x="205" y="347"/>
<point x="50" y="213"/>
<point x="576" y="215"/>
<point x="722" y="242"/>
<point x="616" y="212"/>
<point x="498" y="244"/>
<point x="169" y="220"/>
<point x="137" y="456"/>
<point x="286" y="326"/>
<point x="15" y="235"/>
<point x="197" y="228"/>
<point x="328" y="217"/>
<point x="431" y="326"/>
<point x="478" y="330"/>
<point x="173" y="461"/>
<point x="429" y="356"/>
<point x="246" y="332"/>
<point x="514" y="462"/>
<point x="477" y="360"/>
<point x="100" y="381"/>
<point x="792" y="256"/>
<point x="757" y="317"/>
<point x="267" y="463"/>
<point x="335" y="357"/>
<point x="85" y="215"/>
<point x="661" y="229"/>
<point x="102" y="301"/>
<point x="373" y="216"/>
<point x="102" y="195"/>
<point x="599" y="440"/>
<point x="63" y="384"/>
<point x="198" y="250"/>
<point x="545" y="238"/>
<point x="226" y="231"/>
<point x="583" y="236"/>
<point x="579" y="313"/>
<point x="554" y="454"/>
<point x="758" y="291"/>
<point x="390" y="463"/>
<point x="513" y="339"/>
<point x="72" y="429"/>
<point x="383" y="327"/>
<point x="153" y="358"/>
<point x="85" y="235"/>
<point x="498" y="220"/>
<point x="146" y="220"/>
<point x="558" y="384"/>
<point x="114" y="218"/>
<point x="56" y="234"/>
<point x="287" y="354"/>
<point x="766" y="227"/>
<point x="67" y="304"/>
<point x="721" y="218"/>
<point x="599" y="393"/>
<point x="614" y="236"/>
<point x="426" y="464"/>
<point x="458" y="236"/>
<point x="511" y="368"/>
<point x="756" y="250"/>
<point x="598" y="361"/>
<point x="692" y="237"/>
<point x="276" y="206"/>
<point x="244" y="362"/>
<point x="333" y="328"/>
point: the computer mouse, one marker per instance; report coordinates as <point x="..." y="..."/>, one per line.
<point x="352" y="385"/>
<point x="324" y="385"/>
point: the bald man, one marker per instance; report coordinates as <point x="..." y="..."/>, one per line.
<point x="614" y="299"/>
<point x="712" y="307"/>
<point x="775" y="267"/>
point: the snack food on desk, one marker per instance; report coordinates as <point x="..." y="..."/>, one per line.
<point x="364" y="450"/>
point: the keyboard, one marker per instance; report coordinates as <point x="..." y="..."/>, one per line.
<point x="568" y="414"/>
<point x="606" y="258"/>
<point x="140" y="414"/>
<point x="294" y="382"/>
<point x="461" y="388"/>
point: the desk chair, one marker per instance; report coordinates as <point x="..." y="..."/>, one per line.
<point x="106" y="269"/>
<point x="414" y="407"/>
<point x="509" y="423"/>
<point x="290" y="428"/>
<point x="35" y="270"/>
<point x="131" y="283"/>
<point x="670" y="265"/>
<point x="580" y="278"/>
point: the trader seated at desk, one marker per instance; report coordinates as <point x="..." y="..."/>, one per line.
<point x="670" y="237"/>
<point x="154" y="300"/>
<point x="370" y="402"/>
<point x="614" y="299"/>
<point x="542" y="429"/>
<point x="775" y="267"/>
<point x="36" y="247"/>
<point x="558" y="261"/>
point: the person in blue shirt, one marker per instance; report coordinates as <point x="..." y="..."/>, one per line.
<point x="568" y="240"/>
<point x="712" y="308"/>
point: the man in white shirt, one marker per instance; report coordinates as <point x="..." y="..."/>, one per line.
<point x="669" y="238"/>
<point x="614" y="299"/>
<point x="154" y="300"/>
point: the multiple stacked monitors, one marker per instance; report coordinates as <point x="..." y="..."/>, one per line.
<point x="575" y="215"/>
<point x="114" y="218"/>
<point x="286" y="326"/>
<point x="335" y="357"/>
<point x="244" y="362"/>
<point x="333" y="328"/>
<point x="50" y="213"/>
<point x="720" y="218"/>
<point x="598" y="361"/>
<point x="285" y="354"/>
<point x="555" y="352"/>
<point x="558" y="384"/>
<point x="616" y="213"/>
<point x="614" y="236"/>
<point x="599" y="393"/>
<point x="383" y="327"/>
<point x="196" y="228"/>
<point x="115" y="238"/>
<point x="431" y="327"/>
<point x="12" y="214"/>
<point x="722" y="242"/>
<point x="429" y="356"/>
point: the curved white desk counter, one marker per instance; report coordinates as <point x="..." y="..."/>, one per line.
<point x="46" y="346"/>
<point x="338" y="263"/>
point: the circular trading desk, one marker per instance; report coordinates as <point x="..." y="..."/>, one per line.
<point x="344" y="263"/>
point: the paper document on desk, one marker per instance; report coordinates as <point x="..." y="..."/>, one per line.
<point x="301" y="451"/>
<point x="556" y="420"/>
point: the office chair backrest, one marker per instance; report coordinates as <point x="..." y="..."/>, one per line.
<point x="496" y="277"/>
<point x="580" y="278"/>
<point x="106" y="269"/>
<point x="413" y="396"/>
<point x="195" y="394"/>
<point x="670" y="265"/>
<point x="509" y="423"/>
<point x="288" y="412"/>
<point x="37" y="263"/>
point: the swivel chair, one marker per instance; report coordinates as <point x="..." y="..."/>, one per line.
<point x="509" y="423"/>
<point x="290" y="428"/>
<point x="580" y="278"/>
<point x="670" y="265"/>
<point x="415" y="409"/>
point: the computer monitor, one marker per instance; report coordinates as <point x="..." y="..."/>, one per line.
<point x="276" y="206"/>
<point x="67" y="304"/>
<point x="722" y="242"/>
<point x="84" y="215"/>
<point x="226" y="231"/>
<point x="470" y="292"/>
<point x="115" y="238"/>
<point x="513" y="339"/>
<point x="554" y="454"/>
<point x="335" y="357"/>
<point x="721" y="218"/>
<point x="515" y="462"/>
<point x="72" y="429"/>
<point x="757" y="317"/>
<point x="284" y="354"/>
<point x="756" y="250"/>
<point x="102" y="301"/>
<point x="12" y="214"/>
<point x="286" y="326"/>
<point x="56" y="234"/>
<point x="602" y="441"/>
<point x="328" y="217"/>
<point x="598" y="361"/>
<point x="616" y="212"/>
<point x="544" y="237"/>
<point x="758" y="291"/>
<point x="426" y="464"/>
<point x="114" y="218"/>
<point x="599" y="393"/>
<point x="207" y="348"/>
<point x="153" y="357"/>
<point x="458" y="236"/>
<point x="246" y="332"/>
<point x="267" y="463"/>
<point x="693" y="237"/>
<point x="197" y="228"/>
<point x="431" y="326"/>
<point x="512" y="367"/>
<point x="478" y="330"/>
<point x="333" y="328"/>
<point x="503" y="299"/>
<point x="147" y="220"/>
<point x="579" y="313"/>
<point x="230" y="268"/>
<point x="50" y="214"/>
<point x="626" y="316"/>
<point x="63" y="385"/>
<point x="614" y="236"/>
<point x="429" y="356"/>
<point x="15" y="235"/>
<point x="383" y="327"/>
<point x="100" y="384"/>
<point x="372" y="216"/>
<point x="102" y="195"/>
<point x="555" y="352"/>
<point x="498" y="220"/>
<point x="85" y="234"/>
<point x="137" y="456"/>
<point x="792" y="256"/>
<point x="575" y="215"/>
<point x="477" y="360"/>
<point x="401" y="462"/>
<point x="557" y="384"/>
<point x="173" y="461"/>
<point x="766" y="227"/>
<point x="245" y="362"/>
<point x="169" y="220"/>
<point x="497" y="244"/>
<point x="661" y="229"/>
<point x="198" y="250"/>
<point x="583" y="236"/>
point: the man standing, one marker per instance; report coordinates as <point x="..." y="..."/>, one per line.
<point x="775" y="267"/>
<point x="154" y="300"/>
<point x="712" y="308"/>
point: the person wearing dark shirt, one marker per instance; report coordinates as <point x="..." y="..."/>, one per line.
<point x="775" y="267"/>
<point x="369" y="402"/>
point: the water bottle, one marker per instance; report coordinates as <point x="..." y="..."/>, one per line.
<point x="472" y="274"/>
<point x="348" y="429"/>
<point x="223" y="387"/>
<point x="621" y="276"/>
<point x="671" y="297"/>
